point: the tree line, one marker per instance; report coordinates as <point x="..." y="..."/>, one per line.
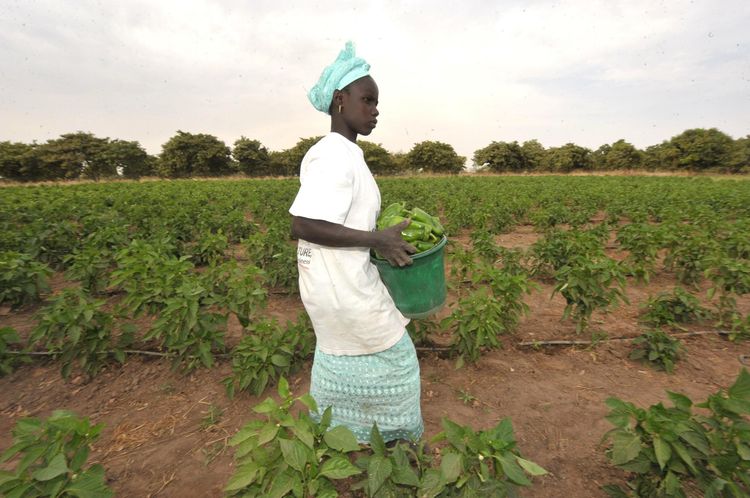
<point x="80" y="155"/>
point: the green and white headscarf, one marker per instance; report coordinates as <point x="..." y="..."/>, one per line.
<point x="346" y="68"/>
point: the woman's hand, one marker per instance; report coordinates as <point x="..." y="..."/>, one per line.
<point x="388" y="243"/>
<point x="391" y="246"/>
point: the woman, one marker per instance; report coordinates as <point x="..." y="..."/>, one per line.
<point x="365" y="365"/>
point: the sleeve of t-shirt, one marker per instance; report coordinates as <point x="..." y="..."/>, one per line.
<point x="326" y="186"/>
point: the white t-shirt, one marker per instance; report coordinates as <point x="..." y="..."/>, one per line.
<point x="350" y="308"/>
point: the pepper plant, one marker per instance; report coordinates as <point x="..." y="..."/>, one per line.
<point x="188" y="328"/>
<point x="75" y="326"/>
<point x="673" y="452"/>
<point x="476" y="463"/>
<point x="673" y="309"/>
<point x="53" y="454"/>
<point x="642" y="241"/>
<point x="559" y="248"/>
<point x="391" y="472"/>
<point x="8" y="360"/>
<point x="508" y="290"/>
<point x="477" y="323"/>
<point x="208" y="248"/>
<point x="589" y="285"/>
<point x="239" y="290"/>
<point x="92" y="262"/>
<point x="689" y="254"/>
<point x="22" y="279"/>
<point x="729" y="277"/>
<point x="149" y="275"/>
<point x="290" y="455"/>
<point x="658" y="348"/>
<point x="268" y="352"/>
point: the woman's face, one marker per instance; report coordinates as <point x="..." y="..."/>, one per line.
<point x="359" y="106"/>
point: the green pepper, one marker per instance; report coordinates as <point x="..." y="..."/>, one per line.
<point x="416" y="231"/>
<point x="397" y="208"/>
<point x="421" y="215"/>
<point x="437" y="227"/>
<point x="423" y="246"/>
<point x="389" y="221"/>
<point x="423" y="227"/>
<point x="412" y="233"/>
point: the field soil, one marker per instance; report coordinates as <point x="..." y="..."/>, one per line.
<point x="166" y="434"/>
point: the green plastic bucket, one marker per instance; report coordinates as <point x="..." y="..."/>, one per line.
<point x="418" y="289"/>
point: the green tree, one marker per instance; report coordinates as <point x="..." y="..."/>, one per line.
<point x="76" y="155"/>
<point x="19" y="162"/>
<point x="400" y="164"/>
<point x="534" y="155"/>
<point x="252" y="157"/>
<point x="702" y="149"/>
<point x="501" y="157"/>
<point x="739" y="159"/>
<point x="280" y="163"/>
<point x="435" y="157"/>
<point x="618" y="156"/>
<point x="663" y="156"/>
<point x="599" y="157"/>
<point x="288" y="162"/>
<point x="569" y="157"/>
<point x="189" y="154"/>
<point x="129" y="159"/>
<point x="378" y="159"/>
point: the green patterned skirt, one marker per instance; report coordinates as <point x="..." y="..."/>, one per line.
<point x="361" y="390"/>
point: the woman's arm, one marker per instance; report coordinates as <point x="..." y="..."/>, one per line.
<point x="388" y="243"/>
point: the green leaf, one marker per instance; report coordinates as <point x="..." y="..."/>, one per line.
<point x="342" y="439"/>
<point x="267" y="433"/>
<point x="432" y="484"/>
<point x="512" y="470"/>
<point x="280" y="360"/>
<point x="697" y="441"/>
<point x="531" y="467"/>
<point x="672" y="484"/>
<point x="405" y="475"/>
<point x="302" y="432"/>
<point x="376" y="441"/>
<point x="309" y="402"/>
<point x="244" y="476"/>
<point x="684" y="455"/>
<point x="454" y="433"/>
<point x="90" y="484"/>
<point x="614" y="491"/>
<point x="378" y="471"/>
<point x="338" y="467"/>
<point x="743" y="451"/>
<point x="627" y="446"/>
<point x="451" y="466"/>
<point x="682" y="402"/>
<point x="282" y="484"/>
<point x="663" y="452"/>
<point x="325" y="491"/>
<point x="741" y="387"/>
<point x="57" y="466"/>
<point x="283" y="388"/>
<point x="294" y="453"/>
<point x="267" y="406"/>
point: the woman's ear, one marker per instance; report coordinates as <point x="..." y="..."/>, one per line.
<point x="337" y="101"/>
<point x="338" y="98"/>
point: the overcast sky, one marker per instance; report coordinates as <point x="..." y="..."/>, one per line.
<point x="465" y="73"/>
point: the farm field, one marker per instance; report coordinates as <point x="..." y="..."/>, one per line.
<point x="196" y="269"/>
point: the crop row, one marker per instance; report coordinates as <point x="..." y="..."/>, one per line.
<point x="192" y="254"/>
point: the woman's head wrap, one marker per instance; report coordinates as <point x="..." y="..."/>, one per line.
<point x="346" y="68"/>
